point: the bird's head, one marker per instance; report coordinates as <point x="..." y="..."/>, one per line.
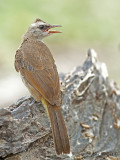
<point x="39" y="30"/>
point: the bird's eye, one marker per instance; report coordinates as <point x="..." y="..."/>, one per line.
<point x="41" y="26"/>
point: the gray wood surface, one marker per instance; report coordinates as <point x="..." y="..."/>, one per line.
<point x="91" y="107"/>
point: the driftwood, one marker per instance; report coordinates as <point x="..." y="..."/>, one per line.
<point x="91" y="107"/>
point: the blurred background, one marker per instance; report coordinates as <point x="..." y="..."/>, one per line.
<point x="86" y="24"/>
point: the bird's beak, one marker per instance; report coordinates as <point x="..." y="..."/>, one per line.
<point x="53" y="26"/>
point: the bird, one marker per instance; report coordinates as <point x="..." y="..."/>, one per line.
<point x="38" y="70"/>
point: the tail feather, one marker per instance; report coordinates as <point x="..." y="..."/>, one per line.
<point x="62" y="131"/>
<point x="56" y="133"/>
<point x="59" y="130"/>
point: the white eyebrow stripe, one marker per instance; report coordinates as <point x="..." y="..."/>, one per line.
<point x="33" y="24"/>
<point x="39" y="23"/>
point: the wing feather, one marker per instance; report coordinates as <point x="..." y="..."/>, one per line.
<point x="38" y="69"/>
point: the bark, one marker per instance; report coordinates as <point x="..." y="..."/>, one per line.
<point x="91" y="108"/>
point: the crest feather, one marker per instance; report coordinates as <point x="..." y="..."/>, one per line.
<point x="38" y="20"/>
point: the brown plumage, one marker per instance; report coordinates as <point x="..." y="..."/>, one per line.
<point x="35" y="63"/>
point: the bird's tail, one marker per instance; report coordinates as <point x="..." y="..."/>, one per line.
<point x="59" y="130"/>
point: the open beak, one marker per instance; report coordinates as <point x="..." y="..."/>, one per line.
<point x="53" y="26"/>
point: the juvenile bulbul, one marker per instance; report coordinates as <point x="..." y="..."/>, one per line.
<point x="37" y="67"/>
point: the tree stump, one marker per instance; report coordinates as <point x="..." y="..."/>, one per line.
<point x="91" y="108"/>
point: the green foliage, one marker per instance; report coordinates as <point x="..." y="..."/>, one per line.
<point x="89" y="23"/>
<point x="83" y="21"/>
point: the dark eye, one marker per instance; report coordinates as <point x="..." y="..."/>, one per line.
<point x="41" y="26"/>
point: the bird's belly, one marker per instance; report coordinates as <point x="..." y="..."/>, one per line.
<point x="35" y="94"/>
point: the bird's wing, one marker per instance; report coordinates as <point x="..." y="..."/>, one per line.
<point x="36" y="64"/>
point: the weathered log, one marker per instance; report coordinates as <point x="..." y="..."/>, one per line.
<point x="91" y="107"/>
